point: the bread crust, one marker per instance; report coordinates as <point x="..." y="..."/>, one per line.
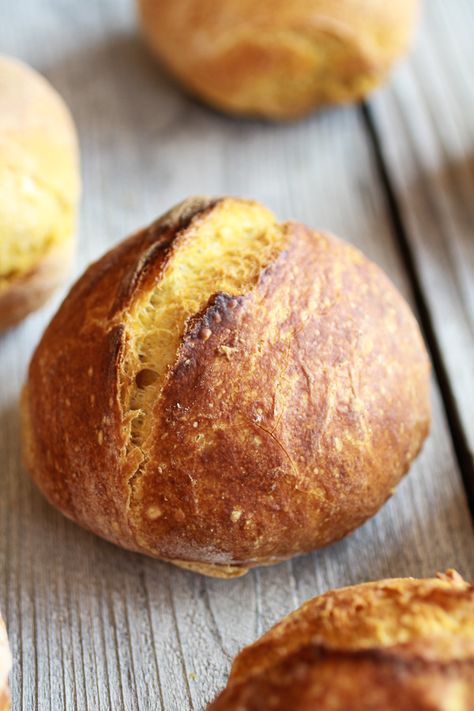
<point x="281" y="431"/>
<point x="5" y="666"/>
<point x="281" y="58"/>
<point x="393" y="644"/>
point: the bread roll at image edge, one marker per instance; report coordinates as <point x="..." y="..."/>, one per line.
<point x="40" y="186"/>
<point x="383" y="646"/>
<point x="5" y="666"/>
<point x="282" y="58"/>
<point x="223" y="391"/>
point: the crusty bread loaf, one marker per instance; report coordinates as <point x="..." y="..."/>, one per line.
<point x="279" y="58"/>
<point x="39" y="185"/>
<point x="393" y="645"/>
<point x="5" y="666"/>
<point x="223" y="391"/>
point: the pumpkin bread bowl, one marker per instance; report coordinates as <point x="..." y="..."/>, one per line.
<point x="223" y="391"/>
<point x="383" y="646"/>
<point x="280" y="58"/>
<point x="39" y="188"/>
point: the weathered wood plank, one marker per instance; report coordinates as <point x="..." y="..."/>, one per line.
<point x="94" y="627"/>
<point x="425" y="124"/>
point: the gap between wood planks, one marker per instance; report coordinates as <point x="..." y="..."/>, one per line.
<point x="461" y="446"/>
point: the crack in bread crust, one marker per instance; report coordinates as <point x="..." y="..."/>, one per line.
<point x="226" y="249"/>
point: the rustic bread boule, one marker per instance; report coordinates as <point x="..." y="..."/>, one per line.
<point x="39" y="185"/>
<point x="384" y="646"/>
<point x="279" y="58"/>
<point x="223" y="391"/>
<point x="5" y="666"/>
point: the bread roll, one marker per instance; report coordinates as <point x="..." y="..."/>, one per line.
<point x="280" y="58"/>
<point x="39" y="185"/>
<point x="5" y="666"/>
<point x="223" y="391"/>
<point x="393" y="645"/>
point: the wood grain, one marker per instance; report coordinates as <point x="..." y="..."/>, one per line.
<point x="91" y="626"/>
<point x="424" y="121"/>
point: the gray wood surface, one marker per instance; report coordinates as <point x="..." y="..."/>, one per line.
<point x="425" y="123"/>
<point x="91" y="626"/>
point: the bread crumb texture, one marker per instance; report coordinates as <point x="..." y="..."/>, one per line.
<point x="393" y="644"/>
<point x="225" y="253"/>
<point x="253" y="390"/>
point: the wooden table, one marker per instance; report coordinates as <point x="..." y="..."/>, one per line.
<point x="94" y="627"/>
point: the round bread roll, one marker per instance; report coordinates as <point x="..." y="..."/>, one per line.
<point x="223" y="391"/>
<point x="5" y="666"/>
<point x="280" y="58"/>
<point x="39" y="186"/>
<point x="385" y="646"/>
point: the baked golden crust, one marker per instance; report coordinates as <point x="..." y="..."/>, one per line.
<point x="280" y="58"/>
<point x="287" y="416"/>
<point x="5" y="666"/>
<point x="39" y="186"/>
<point x="395" y="644"/>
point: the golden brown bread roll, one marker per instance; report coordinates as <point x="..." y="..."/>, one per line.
<point x="39" y="186"/>
<point x="5" y="666"/>
<point x="393" y="645"/>
<point x="279" y="58"/>
<point x="223" y="391"/>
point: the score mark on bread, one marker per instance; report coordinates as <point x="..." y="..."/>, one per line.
<point x="224" y="252"/>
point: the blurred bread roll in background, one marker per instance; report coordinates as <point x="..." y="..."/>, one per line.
<point x="279" y="58"/>
<point x="39" y="188"/>
<point x="384" y="646"/>
<point x="5" y="666"/>
<point x="228" y="391"/>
